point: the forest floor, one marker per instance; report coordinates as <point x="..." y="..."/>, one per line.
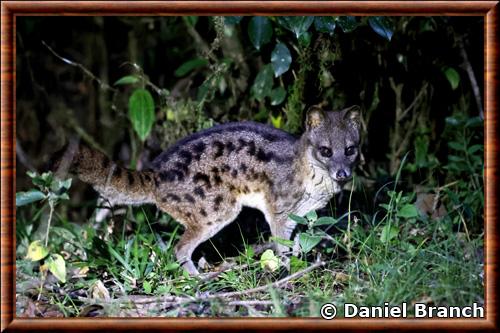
<point x="126" y="267"/>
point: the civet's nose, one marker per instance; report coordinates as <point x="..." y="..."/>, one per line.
<point x="343" y="174"/>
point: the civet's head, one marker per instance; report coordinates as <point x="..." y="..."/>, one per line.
<point x="332" y="140"/>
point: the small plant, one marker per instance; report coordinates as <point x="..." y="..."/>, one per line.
<point x="50" y="191"/>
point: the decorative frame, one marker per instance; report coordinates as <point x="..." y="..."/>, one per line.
<point x="11" y="9"/>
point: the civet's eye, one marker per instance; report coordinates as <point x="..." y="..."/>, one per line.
<point x="350" y="151"/>
<point x="325" y="151"/>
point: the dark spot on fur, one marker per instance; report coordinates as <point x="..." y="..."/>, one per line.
<point x="186" y="156"/>
<point x="188" y="215"/>
<point x="243" y="167"/>
<point x="209" y="223"/>
<point x="199" y="148"/>
<point x="251" y="148"/>
<point x="242" y="143"/>
<point x="147" y="177"/>
<point x="234" y="173"/>
<point x="171" y="175"/>
<point x="189" y="198"/>
<point x="219" y="149"/>
<point x="203" y="212"/>
<point x="217" y="179"/>
<point x="199" y="192"/>
<point x="263" y="156"/>
<point x="246" y="189"/>
<point x="215" y="170"/>
<point x="130" y="177"/>
<point x="230" y="147"/>
<point x="233" y="201"/>
<point x="297" y="195"/>
<point x="203" y="178"/>
<point x="225" y="167"/>
<point x="269" y="136"/>
<point x="173" y="197"/>
<point x="218" y="199"/>
<point x="182" y="167"/>
<point x="231" y="187"/>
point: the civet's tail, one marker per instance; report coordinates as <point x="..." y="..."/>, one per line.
<point x="116" y="184"/>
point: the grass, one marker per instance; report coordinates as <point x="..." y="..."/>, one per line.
<point x="399" y="258"/>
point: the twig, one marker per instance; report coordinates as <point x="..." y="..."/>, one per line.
<point x="186" y="299"/>
<point x="271" y="285"/>
<point x="412" y="105"/>
<point x="102" y="84"/>
<point x="472" y="78"/>
<point x="258" y="249"/>
<point x="23" y="158"/>
<point x="84" y="135"/>
<point x="250" y="303"/>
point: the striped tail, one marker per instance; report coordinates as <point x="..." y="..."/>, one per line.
<point x="113" y="182"/>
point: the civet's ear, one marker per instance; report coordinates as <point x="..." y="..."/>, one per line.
<point x="353" y="114"/>
<point x="315" y="117"/>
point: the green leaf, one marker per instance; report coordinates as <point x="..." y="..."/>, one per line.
<point x="263" y="83"/>
<point x="281" y="241"/>
<point x="277" y="96"/>
<point x="280" y="59"/>
<point x="388" y="232"/>
<point x="382" y="25"/>
<point x="308" y="242"/>
<point x="455" y="145"/>
<point x="453" y="77"/>
<point x="129" y="79"/>
<point x="260" y="31"/>
<point x="474" y="122"/>
<point x="408" y="211"/>
<point x="191" y="20"/>
<point x="277" y="121"/>
<point x="325" y="220"/>
<point x="305" y="39"/>
<point x="296" y="264"/>
<point x="141" y="112"/>
<point x="118" y="257"/>
<point x="232" y="20"/>
<point x="36" y="251"/>
<point x="296" y="24"/>
<point x="172" y="266"/>
<point x="269" y="261"/>
<point x="190" y="65"/>
<point x="311" y="216"/>
<point x="57" y="266"/>
<point x="146" y="285"/>
<point x="60" y="186"/>
<point x="347" y="23"/>
<point x="298" y="219"/>
<point x="25" y="198"/>
<point x="472" y="149"/>
<point x="325" y="24"/>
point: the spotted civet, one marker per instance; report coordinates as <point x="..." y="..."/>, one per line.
<point x="205" y="179"/>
